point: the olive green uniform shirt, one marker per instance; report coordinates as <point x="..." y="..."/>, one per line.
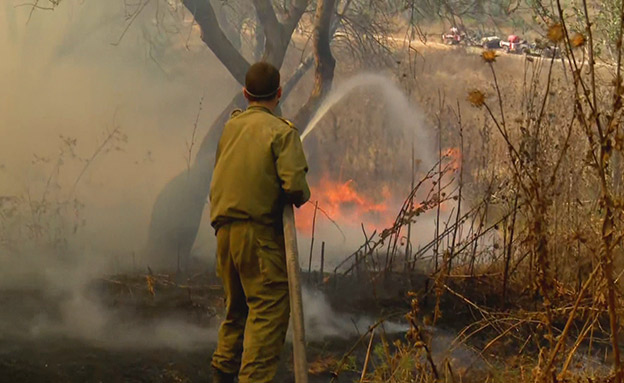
<point x="260" y="166"/>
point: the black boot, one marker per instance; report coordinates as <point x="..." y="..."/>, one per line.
<point x="219" y="376"/>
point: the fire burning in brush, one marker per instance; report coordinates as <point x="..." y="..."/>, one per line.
<point x="343" y="203"/>
<point x="454" y="157"/>
<point x="349" y="206"/>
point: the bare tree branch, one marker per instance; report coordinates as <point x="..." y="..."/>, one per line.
<point x="276" y="36"/>
<point x="325" y="62"/>
<point x="216" y="40"/>
<point x="266" y="14"/>
<point x="297" y="8"/>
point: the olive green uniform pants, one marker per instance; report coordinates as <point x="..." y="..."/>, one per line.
<point x="251" y="262"/>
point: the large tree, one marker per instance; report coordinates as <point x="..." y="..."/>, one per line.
<point x="178" y="209"/>
<point x="363" y="26"/>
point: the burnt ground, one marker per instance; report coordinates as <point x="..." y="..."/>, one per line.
<point x="34" y="352"/>
<point x="161" y="329"/>
<point x="70" y="361"/>
<point x="63" y="360"/>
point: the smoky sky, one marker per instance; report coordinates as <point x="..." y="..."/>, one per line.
<point x="77" y="72"/>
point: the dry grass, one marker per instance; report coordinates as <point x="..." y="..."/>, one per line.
<point x="542" y="168"/>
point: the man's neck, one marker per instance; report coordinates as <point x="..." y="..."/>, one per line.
<point x="268" y="105"/>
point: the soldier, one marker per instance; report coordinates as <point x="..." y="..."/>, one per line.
<point x="260" y="166"/>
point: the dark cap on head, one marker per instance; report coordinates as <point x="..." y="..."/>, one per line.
<point x="262" y="81"/>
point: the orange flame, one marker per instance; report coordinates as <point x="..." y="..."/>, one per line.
<point x="454" y="155"/>
<point x="343" y="203"/>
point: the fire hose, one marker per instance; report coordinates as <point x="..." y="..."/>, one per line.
<point x="294" y="287"/>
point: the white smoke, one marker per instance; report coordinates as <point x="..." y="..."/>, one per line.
<point x="61" y="74"/>
<point x="323" y="322"/>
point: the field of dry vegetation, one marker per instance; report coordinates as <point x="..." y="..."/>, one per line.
<point x="507" y="234"/>
<point x="530" y="260"/>
<point x="526" y="263"/>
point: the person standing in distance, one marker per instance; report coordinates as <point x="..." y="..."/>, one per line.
<point x="260" y="167"/>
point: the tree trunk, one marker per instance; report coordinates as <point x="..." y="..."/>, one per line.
<point x="178" y="209"/>
<point x="325" y="62"/>
<point x="228" y="29"/>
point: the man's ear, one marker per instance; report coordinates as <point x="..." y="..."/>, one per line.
<point x="279" y="93"/>
<point x="245" y="93"/>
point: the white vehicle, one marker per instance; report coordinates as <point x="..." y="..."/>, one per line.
<point x="515" y="45"/>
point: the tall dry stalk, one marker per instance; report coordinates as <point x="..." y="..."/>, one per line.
<point x="601" y="123"/>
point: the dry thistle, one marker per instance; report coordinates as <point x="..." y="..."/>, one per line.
<point x="555" y="33"/>
<point x="489" y="56"/>
<point x="578" y="40"/>
<point x="150" y="285"/>
<point x="476" y="98"/>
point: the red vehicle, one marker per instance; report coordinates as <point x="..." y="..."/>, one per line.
<point x="453" y="37"/>
<point x="515" y="45"/>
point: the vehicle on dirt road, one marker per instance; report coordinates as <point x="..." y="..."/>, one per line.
<point x="453" y="37"/>
<point x="490" y="42"/>
<point x="542" y="49"/>
<point x="551" y="52"/>
<point x="515" y="45"/>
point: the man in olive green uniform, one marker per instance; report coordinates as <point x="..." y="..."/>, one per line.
<point x="260" y="166"/>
